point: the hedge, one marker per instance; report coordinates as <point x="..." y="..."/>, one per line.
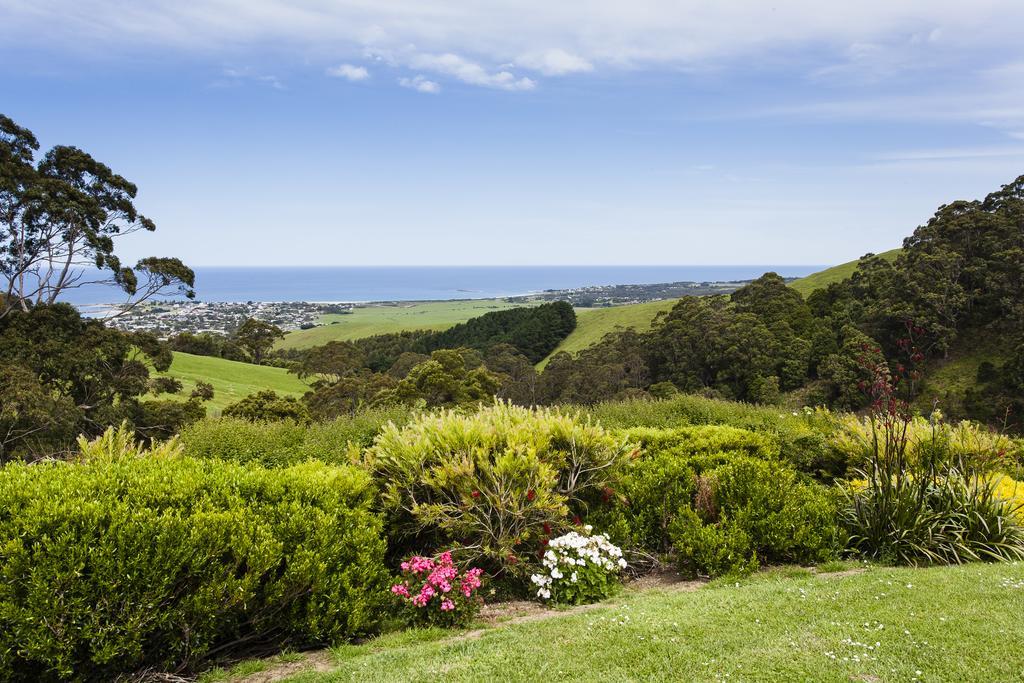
<point x="279" y="444"/>
<point x="162" y="562"/>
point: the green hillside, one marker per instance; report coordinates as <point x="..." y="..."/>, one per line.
<point x="946" y="379"/>
<point x="231" y="380"/>
<point x="824" y="278"/>
<point x="592" y="324"/>
<point x="385" y="318"/>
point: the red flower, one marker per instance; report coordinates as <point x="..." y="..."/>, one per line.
<point x="547" y="528"/>
<point x="512" y="559"/>
<point x="530" y="495"/>
<point x="475" y="494"/>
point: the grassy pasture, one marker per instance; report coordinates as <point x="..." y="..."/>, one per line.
<point x="824" y="278"/>
<point x="231" y="380"/>
<point x="592" y="324"/>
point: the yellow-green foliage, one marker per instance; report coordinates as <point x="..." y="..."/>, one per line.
<point x="975" y="445"/>
<point x="488" y="482"/>
<point x="123" y="561"/>
<point x="278" y="444"/>
<point x="1009" y="489"/>
<point x="803" y="437"/>
<point x="119" y="443"/>
<point x="704" y="440"/>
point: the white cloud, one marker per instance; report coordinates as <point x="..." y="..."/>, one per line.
<point x="349" y="72"/>
<point x="233" y="77"/>
<point x="555" y="62"/>
<point x="863" y="42"/>
<point x="470" y="72"/>
<point x="674" y="32"/>
<point x="420" y="84"/>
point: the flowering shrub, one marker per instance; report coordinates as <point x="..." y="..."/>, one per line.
<point x="579" y="568"/>
<point x="437" y="592"/>
<point x="491" y="484"/>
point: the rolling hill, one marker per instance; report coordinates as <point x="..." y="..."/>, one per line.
<point x="231" y="380"/>
<point x="824" y="278"/>
<point x="385" y="318"/>
<point x="592" y="324"/>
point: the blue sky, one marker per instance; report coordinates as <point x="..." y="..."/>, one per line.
<point x="442" y="132"/>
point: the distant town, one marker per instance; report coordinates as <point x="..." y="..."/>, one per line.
<point x="167" y="318"/>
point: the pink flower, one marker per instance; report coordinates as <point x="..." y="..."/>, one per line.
<point x="447" y="605"/>
<point x="418" y="565"/>
<point x="400" y="589"/>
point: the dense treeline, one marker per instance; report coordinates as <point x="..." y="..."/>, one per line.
<point x="535" y="331"/>
<point x="493" y="354"/>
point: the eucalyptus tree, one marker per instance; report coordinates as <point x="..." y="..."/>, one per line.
<point x="61" y="215"/>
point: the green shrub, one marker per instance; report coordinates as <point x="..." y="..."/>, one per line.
<point x="651" y="492"/>
<point x="489" y="484"/>
<point x="706" y="439"/>
<point x="278" y="444"/>
<point x="271" y="444"/>
<point x="787" y="519"/>
<point x="802" y="438"/>
<point x="747" y="511"/>
<point x="119" y="562"/>
<point x="268" y="406"/>
<point x="713" y="549"/>
<point x="717" y="499"/>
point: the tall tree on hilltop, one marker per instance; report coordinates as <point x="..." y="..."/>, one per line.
<point x="257" y="337"/>
<point x="59" y="219"/>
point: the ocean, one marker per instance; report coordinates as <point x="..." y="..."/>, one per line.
<point x="420" y="283"/>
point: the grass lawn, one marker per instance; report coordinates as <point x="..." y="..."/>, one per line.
<point x="384" y="318"/>
<point x="592" y="324"/>
<point x="231" y="380"/>
<point x="879" y="624"/>
<point x="824" y="278"/>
